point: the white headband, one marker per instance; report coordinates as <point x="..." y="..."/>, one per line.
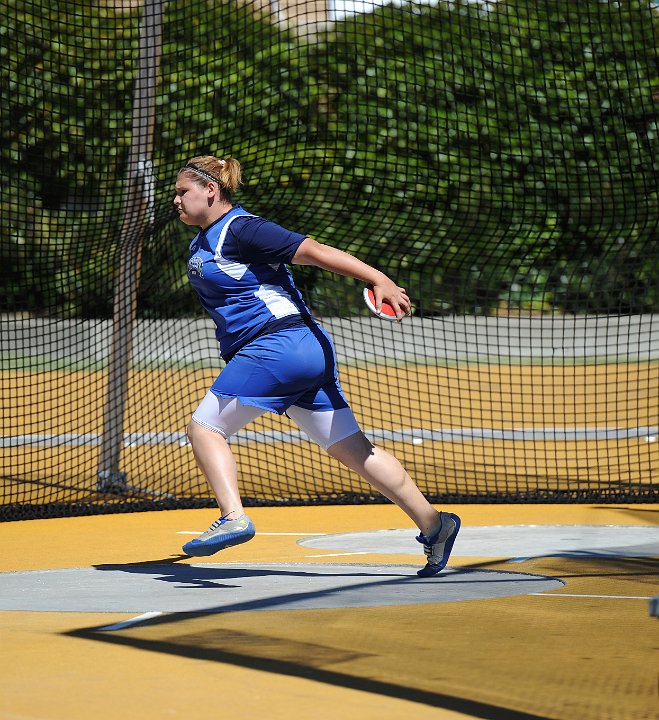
<point x="203" y="173"/>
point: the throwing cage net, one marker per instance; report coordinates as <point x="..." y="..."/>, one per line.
<point x="499" y="159"/>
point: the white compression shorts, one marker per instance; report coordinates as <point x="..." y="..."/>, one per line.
<point x="228" y="415"/>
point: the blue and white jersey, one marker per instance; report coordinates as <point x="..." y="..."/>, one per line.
<point x="237" y="265"/>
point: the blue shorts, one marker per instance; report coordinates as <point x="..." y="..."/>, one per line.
<point x="295" y="366"/>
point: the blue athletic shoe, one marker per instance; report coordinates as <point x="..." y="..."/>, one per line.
<point x="438" y="547"/>
<point x="223" y="533"/>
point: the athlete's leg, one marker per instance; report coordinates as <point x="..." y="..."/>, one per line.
<point x="337" y="432"/>
<point x="216" y="461"/>
<point x="213" y="422"/>
<point x="385" y="473"/>
<point x="324" y="414"/>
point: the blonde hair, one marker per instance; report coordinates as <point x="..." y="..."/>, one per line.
<point x="208" y="168"/>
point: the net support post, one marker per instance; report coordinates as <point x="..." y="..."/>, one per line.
<point x="136" y="223"/>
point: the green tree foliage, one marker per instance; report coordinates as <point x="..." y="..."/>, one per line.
<point x="516" y="150"/>
<point x="499" y="158"/>
<point x="66" y="72"/>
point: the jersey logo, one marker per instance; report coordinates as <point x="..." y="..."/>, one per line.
<point x="196" y="266"/>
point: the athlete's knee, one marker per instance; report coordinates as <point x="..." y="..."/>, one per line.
<point x="196" y="431"/>
<point x="353" y="450"/>
<point x="191" y="431"/>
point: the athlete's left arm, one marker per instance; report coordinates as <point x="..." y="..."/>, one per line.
<point x="330" y="258"/>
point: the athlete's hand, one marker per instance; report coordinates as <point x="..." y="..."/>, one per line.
<point x="387" y="290"/>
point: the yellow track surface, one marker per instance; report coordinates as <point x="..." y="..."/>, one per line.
<point x="586" y="651"/>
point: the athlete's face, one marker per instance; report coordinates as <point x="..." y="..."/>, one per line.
<point x="193" y="200"/>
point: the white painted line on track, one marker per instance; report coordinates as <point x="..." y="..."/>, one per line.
<point x="132" y="621"/>
<point x="289" y="534"/>
<point x="413" y="435"/>
<point x="338" y="554"/>
<point x="597" y="597"/>
<point x="283" y="534"/>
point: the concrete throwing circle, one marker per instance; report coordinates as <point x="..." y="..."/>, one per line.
<point x="264" y="586"/>
<point x="509" y="541"/>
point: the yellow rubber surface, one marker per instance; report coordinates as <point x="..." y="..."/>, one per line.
<point x="588" y="650"/>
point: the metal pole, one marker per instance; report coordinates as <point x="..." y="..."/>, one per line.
<point x="138" y="217"/>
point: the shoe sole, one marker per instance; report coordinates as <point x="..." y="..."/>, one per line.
<point x="430" y="570"/>
<point x="195" y="548"/>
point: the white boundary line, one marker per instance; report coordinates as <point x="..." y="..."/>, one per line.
<point x="270" y="534"/>
<point x="597" y="597"/>
<point x="132" y="621"/>
<point x="413" y="435"/>
<point x="343" y="554"/>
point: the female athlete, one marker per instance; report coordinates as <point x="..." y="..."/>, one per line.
<point x="279" y="359"/>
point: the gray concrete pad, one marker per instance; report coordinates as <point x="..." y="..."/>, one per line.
<point x="509" y="541"/>
<point x="146" y="587"/>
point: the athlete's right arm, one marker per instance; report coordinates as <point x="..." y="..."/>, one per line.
<point x="330" y="258"/>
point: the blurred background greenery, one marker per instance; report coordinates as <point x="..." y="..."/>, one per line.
<point x="498" y="159"/>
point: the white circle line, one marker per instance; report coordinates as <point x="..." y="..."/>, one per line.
<point x="602" y="597"/>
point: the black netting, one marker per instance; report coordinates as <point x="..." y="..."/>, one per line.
<point x="499" y="159"/>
